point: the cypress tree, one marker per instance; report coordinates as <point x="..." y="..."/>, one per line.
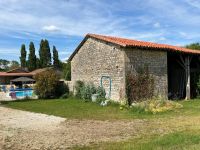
<point x="32" y="57"/>
<point x="23" y="56"/>
<point x="41" y="54"/>
<point x="56" y="62"/>
<point x="45" y="54"/>
<point x="38" y="63"/>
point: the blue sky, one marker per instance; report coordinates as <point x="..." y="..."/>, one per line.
<point x="65" y="22"/>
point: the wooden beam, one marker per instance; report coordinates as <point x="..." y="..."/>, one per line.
<point x="187" y="71"/>
<point x="185" y="63"/>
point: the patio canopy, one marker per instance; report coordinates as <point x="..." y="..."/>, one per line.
<point x="23" y="79"/>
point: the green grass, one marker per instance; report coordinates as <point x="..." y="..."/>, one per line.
<point x="173" y="141"/>
<point x="71" y="108"/>
<point x="78" y="109"/>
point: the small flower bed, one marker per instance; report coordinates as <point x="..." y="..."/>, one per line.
<point x="156" y="105"/>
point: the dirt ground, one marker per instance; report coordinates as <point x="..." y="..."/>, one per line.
<point x="21" y="130"/>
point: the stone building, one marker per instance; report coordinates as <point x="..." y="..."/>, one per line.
<point x="105" y="61"/>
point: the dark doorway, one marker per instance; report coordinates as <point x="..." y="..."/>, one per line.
<point x="194" y="73"/>
<point x="177" y="76"/>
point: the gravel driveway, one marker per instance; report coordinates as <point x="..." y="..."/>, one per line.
<point x="26" y="131"/>
<point x="22" y="130"/>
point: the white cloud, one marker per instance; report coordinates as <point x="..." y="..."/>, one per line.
<point x="50" y="28"/>
<point x="156" y="25"/>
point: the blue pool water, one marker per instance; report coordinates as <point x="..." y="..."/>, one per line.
<point x="25" y="93"/>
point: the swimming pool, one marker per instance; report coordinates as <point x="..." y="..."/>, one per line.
<point x="25" y="93"/>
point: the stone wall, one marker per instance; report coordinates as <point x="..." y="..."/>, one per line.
<point x="157" y="65"/>
<point x="96" y="59"/>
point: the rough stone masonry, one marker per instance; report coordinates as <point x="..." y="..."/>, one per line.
<point x="99" y="61"/>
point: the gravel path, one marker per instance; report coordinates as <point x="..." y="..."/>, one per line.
<point x="21" y="130"/>
<point x="26" y="130"/>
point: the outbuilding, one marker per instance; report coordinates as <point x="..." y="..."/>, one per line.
<point x="106" y="60"/>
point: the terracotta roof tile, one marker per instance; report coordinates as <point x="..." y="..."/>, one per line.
<point x="135" y="43"/>
<point x="128" y="43"/>
<point x="6" y="74"/>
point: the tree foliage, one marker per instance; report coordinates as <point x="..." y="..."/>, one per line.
<point x="32" y="64"/>
<point x="195" y="46"/>
<point x="44" y="60"/>
<point x="66" y="67"/>
<point x="45" y="54"/>
<point x="56" y="61"/>
<point x="46" y="84"/>
<point x="6" y="65"/>
<point x="38" y="63"/>
<point x="23" y="56"/>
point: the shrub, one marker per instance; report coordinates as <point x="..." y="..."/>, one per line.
<point x="139" y="86"/>
<point x="46" y="84"/>
<point x="124" y="104"/>
<point x="85" y="91"/>
<point x="61" y="89"/>
<point x="101" y="93"/>
<point x="66" y="67"/>
<point x="64" y="96"/>
<point x="78" y="87"/>
<point x="156" y="105"/>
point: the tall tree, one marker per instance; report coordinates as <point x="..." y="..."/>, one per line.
<point x="23" y="56"/>
<point x="48" y="52"/>
<point x="32" y="57"/>
<point x="45" y="54"/>
<point x="41" y="53"/>
<point x="56" y="61"/>
<point x="38" y="63"/>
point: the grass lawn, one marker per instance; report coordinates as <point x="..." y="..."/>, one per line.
<point x="186" y="120"/>
<point x="172" y="141"/>
<point x="78" y="109"/>
<point x="71" y="108"/>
